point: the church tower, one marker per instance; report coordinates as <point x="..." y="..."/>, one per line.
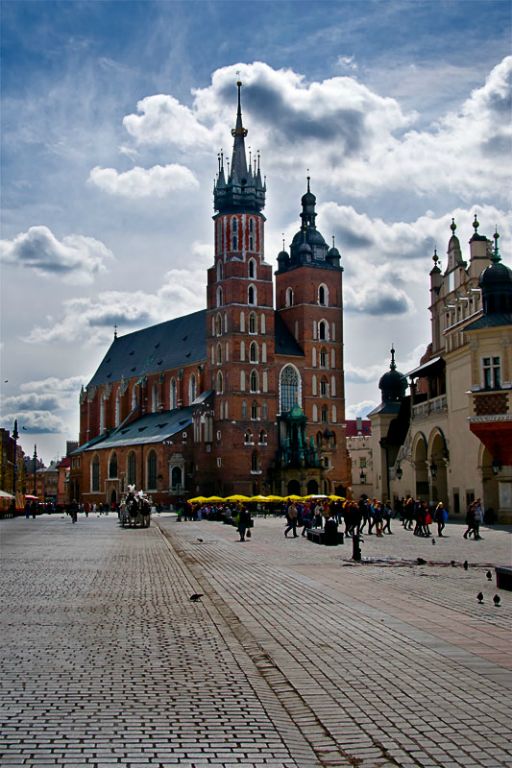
<point x="240" y="323"/>
<point x="309" y="301"/>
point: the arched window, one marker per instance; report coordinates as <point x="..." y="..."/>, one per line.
<point x="218" y="325"/>
<point x="288" y="388"/>
<point x="219" y="270"/>
<point x="289" y="297"/>
<point x="173" y="400"/>
<point x="254" y="410"/>
<point x="117" y="415"/>
<point x="323" y="330"/>
<point x="176" y="478"/>
<point x="324" y="387"/>
<point x="253" y="352"/>
<point x="151" y="471"/>
<point x="219" y="354"/>
<point x="319" y="439"/>
<point x="255" y="464"/>
<point x="220" y="383"/>
<point x="254" y="381"/>
<point x="253" y="323"/>
<point x="324" y="417"/>
<point x="323" y="295"/>
<point x="131" y="469"/>
<point x="95" y="474"/>
<point x="234" y="234"/>
<point x="251" y="295"/>
<point x="252" y="267"/>
<point x="323" y="358"/>
<point x="112" y="466"/>
<point x="251" y="238"/>
<point x="244" y="409"/>
<point x="264" y="410"/>
<point x="263" y="437"/>
<point x="219" y="296"/>
<point x="248" y="437"/>
<point x="191" y="389"/>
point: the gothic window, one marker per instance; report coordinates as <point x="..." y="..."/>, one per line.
<point x="319" y="439"/>
<point x="491" y="367"/>
<point x="112" y="466"/>
<point x="253" y="352"/>
<point x="265" y="381"/>
<point x="324" y="387"/>
<point x="173" y="399"/>
<point x="176" y="478"/>
<point x="131" y="469"/>
<point x="289" y="297"/>
<point x="244" y="409"/>
<point x="95" y="474"/>
<point x="254" y="410"/>
<point x="263" y="437"/>
<point x="253" y="323"/>
<point x="220" y="383"/>
<point x="248" y="437"/>
<point x="219" y="296"/>
<point x="252" y="267"/>
<point x="251" y="239"/>
<point x="208" y="428"/>
<point x="323" y="358"/>
<point x="323" y="330"/>
<point x="323" y="295"/>
<point x="218" y="325"/>
<point x="264" y="410"/>
<point x="219" y="354"/>
<point x="254" y="381"/>
<point x="151" y="471"/>
<point x="234" y="234"/>
<point x="192" y="389"/>
<point x="255" y="464"/>
<point x="288" y="388"/>
<point x="251" y="295"/>
<point x="325" y="416"/>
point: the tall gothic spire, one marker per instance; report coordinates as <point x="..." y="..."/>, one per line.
<point x="239" y="161"/>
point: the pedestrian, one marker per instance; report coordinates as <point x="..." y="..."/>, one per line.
<point x="386" y="516"/>
<point x="27" y="510"/>
<point x="440" y="517"/>
<point x="291" y="516"/>
<point x="470" y="520"/>
<point x="377" y="517"/>
<point x="33" y="509"/>
<point x="307" y="519"/>
<point x="244" y="522"/>
<point x="73" y="511"/>
<point x="478" y="518"/>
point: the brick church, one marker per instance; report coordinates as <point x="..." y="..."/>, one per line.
<point x="245" y="396"/>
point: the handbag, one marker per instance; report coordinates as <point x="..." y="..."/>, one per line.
<point x="248" y="533"/>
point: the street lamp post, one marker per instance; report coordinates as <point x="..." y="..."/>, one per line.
<point x="34" y="467"/>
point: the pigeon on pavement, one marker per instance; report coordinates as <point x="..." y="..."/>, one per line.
<point x="497" y="600"/>
<point x="195" y="597"/>
<point x="480" y="598"/>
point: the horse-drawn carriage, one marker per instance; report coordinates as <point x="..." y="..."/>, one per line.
<point x="135" y="509"/>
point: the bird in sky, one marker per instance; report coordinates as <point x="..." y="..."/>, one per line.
<point x="465" y="565"/>
<point x="497" y="600"/>
<point x="489" y="576"/>
<point x="195" y="597"/>
<point x="480" y="598"/>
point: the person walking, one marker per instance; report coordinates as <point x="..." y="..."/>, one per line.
<point x="470" y="520"/>
<point x="440" y="517"/>
<point x="291" y="515"/>
<point x="386" y="516"/>
<point x="244" y="522"/>
<point x="478" y="518"/>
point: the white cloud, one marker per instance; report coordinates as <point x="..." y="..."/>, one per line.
<point x="34" y="422"/>
<point x="163" y="120"/>
<point x="361" y="409"/>
<point x="75" y="258"/>
<point x="158" y="181"/>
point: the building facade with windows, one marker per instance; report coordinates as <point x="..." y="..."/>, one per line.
<point x="458" y="441"/>
<point x="245" y="396"/>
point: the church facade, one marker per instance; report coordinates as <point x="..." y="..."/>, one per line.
<point x="245" y="396"/>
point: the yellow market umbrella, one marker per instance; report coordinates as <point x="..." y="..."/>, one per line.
<point x="237" y="497"/>
<point x="272" y="497"/>
<point x="293" y="497"/>
<point x="198" y="500"/>
<point x="316" y="496"/>
<point x="214" y="498"/>
<point x="259" y="498"/>
<point x="333" y="497"/>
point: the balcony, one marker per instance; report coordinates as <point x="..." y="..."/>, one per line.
<point x="430" y="407"/>
<point x="491" y="406"/>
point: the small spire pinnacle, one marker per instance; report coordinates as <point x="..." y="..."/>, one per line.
<point x="333" y="242"/>
<point x="115" y="331"/>
<point x="496" y="254"/>
<point x="476" y="224"/>
<point x="393" y="364"/>
<point x="435" y="257"/>
<point x="453" y="226"/>
<point x="282" y="234"/>
<point x="308" y="177"/>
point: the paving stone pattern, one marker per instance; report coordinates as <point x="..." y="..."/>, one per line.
<point x="294" y="657"/>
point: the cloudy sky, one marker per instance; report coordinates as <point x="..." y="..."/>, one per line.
<point x="112" y="117"/>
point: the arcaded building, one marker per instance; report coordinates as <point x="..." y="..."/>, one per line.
<point x="245" y="396"/>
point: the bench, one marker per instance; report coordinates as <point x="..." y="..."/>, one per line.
<point x="318" y="536"/>
<point x="503" y="577"/>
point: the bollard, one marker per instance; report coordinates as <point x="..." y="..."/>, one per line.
<point x="356" y="548"/>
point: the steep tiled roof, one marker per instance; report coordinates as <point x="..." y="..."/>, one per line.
<point x="490" y="321"/>
<point x="151" y="428"/>
<point x="172" y="344"/>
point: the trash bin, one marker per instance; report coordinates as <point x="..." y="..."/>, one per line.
<point x="331" y="532"/>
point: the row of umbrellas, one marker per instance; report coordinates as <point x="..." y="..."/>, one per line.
<point x="262" y="499"/>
